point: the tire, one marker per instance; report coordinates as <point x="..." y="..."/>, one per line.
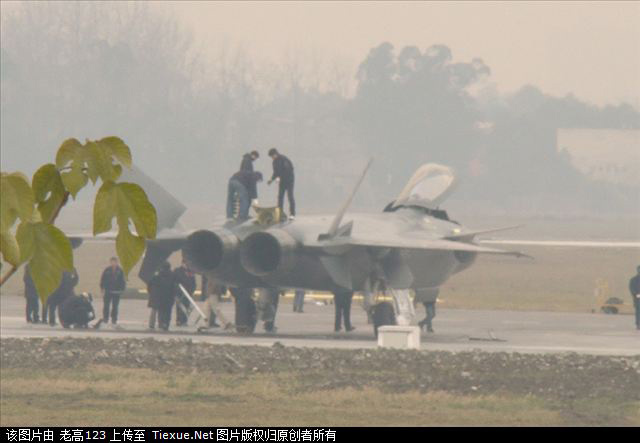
<point x="609" y="309"/>
<point x="383" y="315"/>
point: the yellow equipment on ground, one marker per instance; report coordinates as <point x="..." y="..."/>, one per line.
<point x="608" y="304"/>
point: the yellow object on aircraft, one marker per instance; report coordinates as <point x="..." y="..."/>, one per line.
<point x="267" y="216"/>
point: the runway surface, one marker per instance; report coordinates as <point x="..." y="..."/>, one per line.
<point x="456" y="330"/>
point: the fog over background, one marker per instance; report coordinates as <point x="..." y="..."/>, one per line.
<point x="189" y="102"/>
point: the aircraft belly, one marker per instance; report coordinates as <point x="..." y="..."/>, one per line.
<point x="308" y="273"/>
<point x="431" y="268"/>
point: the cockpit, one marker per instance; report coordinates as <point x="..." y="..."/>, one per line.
<point x="429" y="186"/>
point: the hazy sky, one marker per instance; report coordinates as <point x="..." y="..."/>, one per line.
<point x="589" y="48"/>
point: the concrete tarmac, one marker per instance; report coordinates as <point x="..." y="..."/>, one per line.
<point x="456" y="329"/>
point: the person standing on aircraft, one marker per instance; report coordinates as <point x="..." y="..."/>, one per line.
<point x="342" y="301"/>
<point x="428" y="298"/>
<point x="283" y="172"/>
<point x="242" y="186"/>
<point x="31" y="294"/>
<point x="112" y="285"/>
<point x="248" y="159"/>
<point x="634" y="288"/>
<point x="183" y="276"/>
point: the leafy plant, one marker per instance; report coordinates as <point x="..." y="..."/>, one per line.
<point x="29" y="210"/>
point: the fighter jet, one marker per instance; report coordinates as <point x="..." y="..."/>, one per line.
<point x="410" y="245"/>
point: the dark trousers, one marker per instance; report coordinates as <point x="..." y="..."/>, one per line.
<point x="274" y="297"/>
<point x="342" y="301"/>
<point x="298" y="301"/>
<point x="33" y="306"/>
<point x="430" y="311"/>
<point x="636" y="303"/>
<point x="237" y="190"/>
<point x="111" y="300"/>
<point x="181" y="316"/>
<point x="164" y="316"/>
<point x="49" y="310"/>
<point x="288" y="188"/>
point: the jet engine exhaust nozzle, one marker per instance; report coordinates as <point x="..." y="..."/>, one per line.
<point x="263" y="253"/>
<point x="205" y="251"/>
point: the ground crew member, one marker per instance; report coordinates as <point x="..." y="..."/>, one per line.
<point x="268" y="300"/>
<point x="112" y="285"/>
<point x="76" y="311"/>
<point x="298" y="301"/>
<point x="242" y="186"/>
<point x="31" y="294"/>
<point x="428" y="297"/>
<point x="213" y="292"/>
<point x="161" y="290"/>
<point x="342" y="301"/>
<point x="283" y="172"/>
<point x="69" y="281"/>
<point x="634" y="288"/>
<point x="187" y="279"/>
<point x="247" y="161"/>
<point x="209" y="305"/>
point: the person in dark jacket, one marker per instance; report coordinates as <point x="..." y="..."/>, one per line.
<point x="69" y="281"/>
<point x="342" y="301"/>
<point x="77" y="311"/>
<point x="242" y="186"/>
<point x="247" y="161"/>
<point x="634" y="288"/>
<point x="31" y="294"/>
<point x="162" y="289"/>
<point x="112" y="285"/>
<point x="187" y="279"/>
<point x="283" y="172"/>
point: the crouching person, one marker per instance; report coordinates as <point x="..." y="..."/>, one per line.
<point x="77" y="311"/>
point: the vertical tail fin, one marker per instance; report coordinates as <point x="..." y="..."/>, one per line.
<point x="335" y="225"/>
<point x="168" y="208"/>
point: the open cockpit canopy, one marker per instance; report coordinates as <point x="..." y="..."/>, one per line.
<point x="429" y="186"/>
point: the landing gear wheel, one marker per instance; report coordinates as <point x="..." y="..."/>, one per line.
<point x="383" y="315"/>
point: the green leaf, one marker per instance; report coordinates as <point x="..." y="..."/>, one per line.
<point x="125" y="201"/>
<point x="104" y="208"/>
<point x="9" y="248"/>
<point x="99" y="158"/>
<point x="91" y="164"/>
<point x="48" y="190"/>
<point x="129" y="248"/>
<point x="16" y="199"/>
<point x="69" y="150"/>
<point x="74" y="180"/>
<point x="132" y="202"/>
<point x="49" y="253"/>
<point x="118" y="149"/>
